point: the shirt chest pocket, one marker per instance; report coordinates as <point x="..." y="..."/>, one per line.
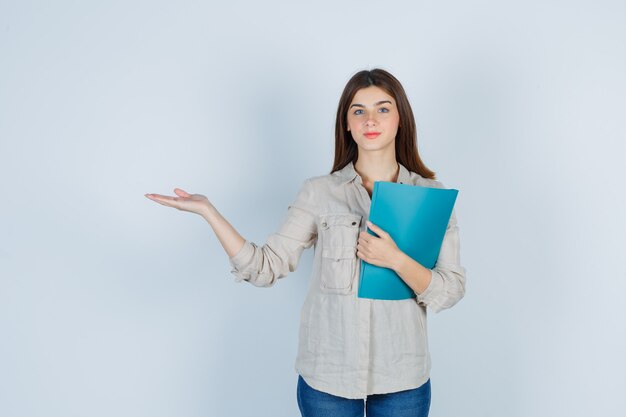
<point x="339" y="233"/>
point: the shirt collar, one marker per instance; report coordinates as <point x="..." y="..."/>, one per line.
<point x="348" y="173"/>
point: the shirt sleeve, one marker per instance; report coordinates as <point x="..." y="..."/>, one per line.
<point x="280" y="254"/>
<point x="447" y="285"/>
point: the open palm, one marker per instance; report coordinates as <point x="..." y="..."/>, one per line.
<point x="194" y="203"/>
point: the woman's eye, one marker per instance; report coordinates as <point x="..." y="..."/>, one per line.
<point x="382" y="108"/>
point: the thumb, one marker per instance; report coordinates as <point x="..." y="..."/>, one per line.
<point x="181" y="193"/>
<point x="380" y="232"/>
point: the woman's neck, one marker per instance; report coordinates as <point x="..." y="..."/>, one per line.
<point x="375" y="172"/>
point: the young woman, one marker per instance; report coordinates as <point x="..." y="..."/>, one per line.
<point x="355" y="355"/>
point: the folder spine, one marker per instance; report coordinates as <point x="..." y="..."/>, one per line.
<point x="374" y="193"/>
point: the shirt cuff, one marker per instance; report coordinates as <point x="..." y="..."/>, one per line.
<point x="242" y="258"/>
<point x="434" y="288"/>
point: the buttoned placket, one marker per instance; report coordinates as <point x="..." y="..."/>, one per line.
<point x="365" y="304"/>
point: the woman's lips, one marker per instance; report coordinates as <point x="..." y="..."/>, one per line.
<point x="372" y="135"/>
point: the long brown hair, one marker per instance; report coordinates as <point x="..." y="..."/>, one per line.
<point x="406" y="139"/>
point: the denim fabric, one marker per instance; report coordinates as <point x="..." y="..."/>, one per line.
<point x="408" y="403"/>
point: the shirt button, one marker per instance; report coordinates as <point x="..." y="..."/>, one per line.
<point x="353" y="223"/>
<point x="324" y="224"/>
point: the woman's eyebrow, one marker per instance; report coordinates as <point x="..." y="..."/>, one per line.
<point x="378" y="103"/>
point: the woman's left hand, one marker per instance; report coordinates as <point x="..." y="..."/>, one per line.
<point x="379" y="251"/>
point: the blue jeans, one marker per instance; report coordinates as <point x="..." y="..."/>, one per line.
<point x="409" y="403"/>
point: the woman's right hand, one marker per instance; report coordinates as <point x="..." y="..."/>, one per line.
<point x="194" y="203"/>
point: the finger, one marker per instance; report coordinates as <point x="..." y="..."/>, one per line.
<point x="160" y="197"/>
<point x="163" y="199"/>
<point x="181" y="192"/>
<point x="364" y="258"/>
<point x="363" y="249"/>
<point x="376" y="229"/>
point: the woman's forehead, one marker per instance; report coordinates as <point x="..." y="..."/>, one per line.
<point x="371" y="96"/>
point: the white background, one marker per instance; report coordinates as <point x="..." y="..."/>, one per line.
<point x="113" y="305"/>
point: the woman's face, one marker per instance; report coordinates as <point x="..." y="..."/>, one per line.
<point x="373" y="110"/>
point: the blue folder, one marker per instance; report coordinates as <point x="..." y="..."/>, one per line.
<point x="416" y="218"/>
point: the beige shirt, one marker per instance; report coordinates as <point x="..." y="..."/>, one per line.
<point x="349" y="346"/>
